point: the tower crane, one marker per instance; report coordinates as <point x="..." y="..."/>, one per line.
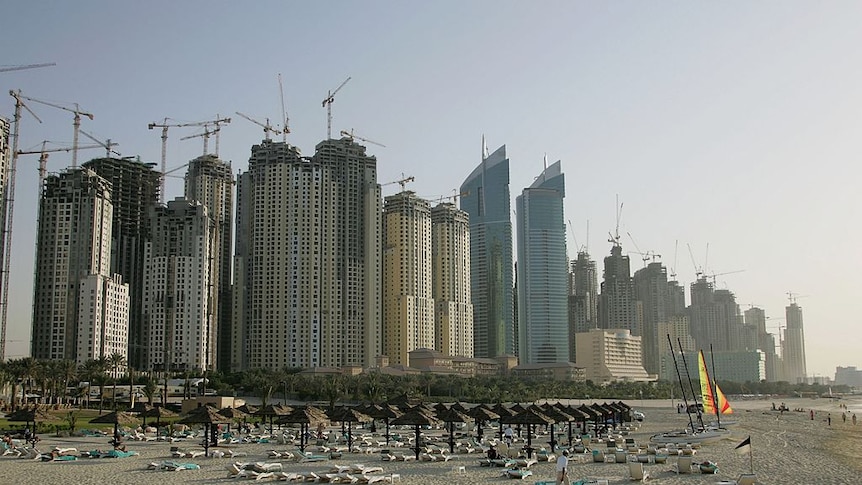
<point x="205" y="134"/>
<point x="107" y="144"/>
<point x="349" y="134"/>
<point x="645" y="256"/>
<point x="794" y="296"/>
<point x="327" y="103"/>
<point x="43" y="156"/>
<point x="402" y="182"/>
<point x="452" y="198"/>
<point x="10" y="205"/>
<point x="615" y="237"/>
<point x="76" y="123"/>
<point x="217" y="122"/>
<point x="164" y="126"/>
<point x="286" y="127"/>
<point x="713" y="275"/>
<point x="267" y="128"/>
<point x="26" y="66"/>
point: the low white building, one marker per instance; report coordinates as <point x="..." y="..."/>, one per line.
<point x="611" y="355"/>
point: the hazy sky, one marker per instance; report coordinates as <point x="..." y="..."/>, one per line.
<point x="731" y="124"/>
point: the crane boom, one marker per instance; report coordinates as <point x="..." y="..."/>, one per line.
<point x="26" y="66"/>
<point x="76" y="123"/>
<point x="349" y="134"/>
<point x="267" y="128"/>
<point x="286" y="127"/>
<point x="107" y="144"/>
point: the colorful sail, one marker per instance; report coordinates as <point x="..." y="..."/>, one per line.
<point x="706" y="390"/>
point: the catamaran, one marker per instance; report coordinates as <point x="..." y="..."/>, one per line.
<point x="714" y="401"/>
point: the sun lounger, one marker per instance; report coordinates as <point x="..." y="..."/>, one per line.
<point x="261" y="467"/>
<point x="683" y="465"/>
<point x="636" y="471"/>
<point x="518" y="473"/>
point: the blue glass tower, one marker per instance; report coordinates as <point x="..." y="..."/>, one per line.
<point x="543" y="329"/>
<point x="485" y="197"/>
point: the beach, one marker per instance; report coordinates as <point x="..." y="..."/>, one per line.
<point x="787" y="448"/>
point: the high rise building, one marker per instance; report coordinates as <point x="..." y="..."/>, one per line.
<point x="674" y="337"/>
<point x="134" y="194"/>
<point x="450" y="255"/>
<point x="209" y="181"/>
<point x="755" y="319"/>
<point x="408" y="304"/>
<point x="793" y="349"/>
<point x="617" y="304"/>
<point x="583" y="298"/>
<point x="77" y="305"/>
<point x="178" y="317"/>
<point x="543" y="328"/>
<point x="485" y="197"/>
<point x="714" y="316"/>
<point x="651" y="289"/>
<point x="307" y="276"/>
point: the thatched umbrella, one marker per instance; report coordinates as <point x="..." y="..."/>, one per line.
<point x="208" y="417"/>
<point x="233" y="414"/>
<point x="349" y="415"/>
<point x="531" y="416"/>
<point x="402" y="402"/>
<point x="591" y="415"/>
<point x="159" y="412"/>
<point x="416" y="417"/>
<point x="386" y="413"/>
<point x="481" y="413"/>
<point x="116" y="418"/>
<point x="576" y="414"/>
<point x="272" y="410"/>
<point x="141" y="408"/>
<point x="248" y="408"/>
<point x="504" y="412"/>
<point x="559" y="417"/>
<point x="305" y="416"/>
<point x="29" y="415"/>
<point x="451" y="416"/>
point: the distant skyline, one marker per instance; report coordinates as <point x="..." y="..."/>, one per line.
<point x="729" y="124"/>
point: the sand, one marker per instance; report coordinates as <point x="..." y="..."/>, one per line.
<point x="787" y="448"/>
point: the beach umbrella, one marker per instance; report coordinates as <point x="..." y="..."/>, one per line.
<point x="386" y="413"/>
<point x="208" y="417"/>
<point x="29" y="415"/>
<point x="116" y="418"/>
<point x="402" y="402"/>
<point x="591" y="415"/>
<point x="451" y="416"/>
<point x="530" y="417"/>
<point x="233" y="414"/>
<point x="140" y="408"/>
<point x="417" y="417"/>
<point x="558" y="416"/>
<point x="439" y="407"/>
<point x="271" y="411"/>
<point x="481" y="413"/>
<point x="305" y="416"/>
<point x="247" y="408"/>
<point x="159" y="412"/>
<point x="576" y="414"/>
<point x="349" y="415"/>
<point x="504" y="412"/>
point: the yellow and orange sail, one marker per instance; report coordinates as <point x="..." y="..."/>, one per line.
<point x="709" y="397"/>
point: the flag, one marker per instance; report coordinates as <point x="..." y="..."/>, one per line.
<point x="744" y="447"/>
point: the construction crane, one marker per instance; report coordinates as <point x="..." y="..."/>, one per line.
<point x="164" y="126"/>
<point x="794" y="296"/>
<point x="286" y="127"/>
<point x="107" y="144"/>
<point x="713" y="275"/>
<point x="615" y="237"/>
<point x="205" y="134"/>
<point x="645" y="256"/>
<point x="267" y="128"/>
<point x="26" y="66"/>
<point x="349" y="134"/>
<point x="217" y="122"/>
<point x="672" y="272"/>
<point x="452" y="198"/>
<point x="76" y="123"/>
<point x="327" y="103"/>
<point x="10" y="206"/>
<point x="698" y="270"/>
<point x="402" y="182"/>
<point x="43" y="156"/>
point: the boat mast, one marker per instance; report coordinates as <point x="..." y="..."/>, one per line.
<point x="691" y="386"/>
<point x="679" y="377"/>
<point x="714" y="389"/>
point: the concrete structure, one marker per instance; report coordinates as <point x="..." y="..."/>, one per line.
<point x="408" y="304"/>
<point x="543" y="327"/>
<point x="307" y="265"/>
<point x="135" y="192"/>
<point x="103" y="317"/>
<point x="583" y="290"/>
<point x="677" y="329"/>
<point x="450" y="262"/>
<point x="485" y="197"/>
<point x="557" y="371"/>
<point x="436" y="362"/>
<point x="73" y="243"/>
<point x="179" y="323"/>
<point x="714" y="317"/>
<point x="651" y="289"/>
<point x="617" y="304"/>
<point x="848" y="376"/>
<point x="611" y="355"/>
<point x="734" y="366"/>
<point x="793" y="347"/>
<point x="209" y="181"/>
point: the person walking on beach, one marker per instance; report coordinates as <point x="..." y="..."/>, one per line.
<point x="854" y="420"/>
<point x="843" y="417"/>
<point x="829" y="419"/>
<point x="562" y="465"/>
<point x="811" y="413"/>
<point x="509" y="434"/>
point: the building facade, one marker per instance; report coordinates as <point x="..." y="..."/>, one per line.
<point x="651" y="289"/>
<point x="793" y="350"/>
<point x="135" y="192"/>
<point x="543" y="328"/>
<point x="408" y="302"/>
<point x="307" y="260"/>
<point x="583" y="298"/>
<point x="73" y="243"/>
<point x="209" y="181"/>
<point x="617" y="304"/>
<point x="485" y="198"/>
<point x="450" y="263"/>
<point x="611" y="355"/>
<point x="103" y="317"/>
<point x="179" y="322"/>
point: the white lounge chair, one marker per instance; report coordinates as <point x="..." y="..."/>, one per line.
<point x="683" y="465"/>
<point x="636" y="471"/>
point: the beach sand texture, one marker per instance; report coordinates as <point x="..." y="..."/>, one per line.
<point x="787" y="448"/>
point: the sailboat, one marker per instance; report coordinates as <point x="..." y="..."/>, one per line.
<point x="714" y="401"/>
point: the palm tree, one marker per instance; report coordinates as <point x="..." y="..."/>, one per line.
<point x="115" y="362"/>
<point x="67" y="372"/>
<point x="30" y="369"/>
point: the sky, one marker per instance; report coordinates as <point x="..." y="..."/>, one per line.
<point x="730" y="127"/>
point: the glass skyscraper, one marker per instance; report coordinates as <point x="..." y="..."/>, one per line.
<point x="543" y="330"/>
<point x="485" y="197"/>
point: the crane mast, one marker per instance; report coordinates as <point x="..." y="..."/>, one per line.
<point x="327" y="103"/>
<point x="76" y="124"/>
<point x="267" y="128"/>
